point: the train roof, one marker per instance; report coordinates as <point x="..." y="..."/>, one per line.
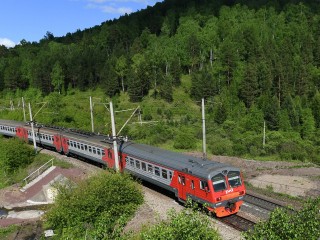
<point x="12" y="123"/>
<point x="200" y="167"/>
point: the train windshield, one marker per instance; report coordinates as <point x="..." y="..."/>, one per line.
<point x="234" y="178"/>
<point x="219" y="182"/>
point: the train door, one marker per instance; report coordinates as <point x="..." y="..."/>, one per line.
<point x="65" y="144"/>
<point x="57" y="143"/>
<point x="109" y="157"/>
<point x="182" y="186"/>
<point x="192" y="187"/>
<point x="22" y="133"/>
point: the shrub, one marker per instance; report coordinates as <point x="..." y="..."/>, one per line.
<point x="15" y="154"/>
<point x="220" y="146"/>
<point x="291" y="150"/>
<point x="188" y="224"/>
<point x="184" y="140"/>
<point x="159" y="133"/>
<point x="98" y="208"/>
<point x="282" y="224"/>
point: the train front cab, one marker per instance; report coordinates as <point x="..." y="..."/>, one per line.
<point x="227" y="190"/>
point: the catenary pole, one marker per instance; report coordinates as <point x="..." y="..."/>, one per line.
<point x="32" y="129"/>
<point x="264" y="134"/>
<point x="203" y="131"/>
<point x="91" y="112"/>
<point x="114" y="138"/>
<point x="24" y="110"/>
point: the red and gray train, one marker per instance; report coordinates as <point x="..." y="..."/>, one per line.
<point x="219" y="186"/>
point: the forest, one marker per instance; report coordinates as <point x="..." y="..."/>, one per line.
<point x="253" y="62"/>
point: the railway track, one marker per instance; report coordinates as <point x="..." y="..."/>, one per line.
<point x="262" y="202"/>
<point x="238" y="222"/>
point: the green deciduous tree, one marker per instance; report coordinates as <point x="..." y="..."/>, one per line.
<point x="308" y="124"/>
<point x="57" y="77"/>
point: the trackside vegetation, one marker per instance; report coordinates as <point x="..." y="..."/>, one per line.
<point x="15" y="155"/>
<point x="187" y="224"/>
<point x="98" y="208"/>
<point x="283" y="224"/>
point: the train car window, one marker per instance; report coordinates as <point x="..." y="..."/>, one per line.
<point x="183" y="180"/>
<point x="127" y="159"/>
<point x="234" y="178"/>
<point x="150" y="168"/>
<point x="103" y="153"/>
<point x="157" y="171"/>
<point x="90" y="149"/>
<point x="203" y="185"/>
<point x="170" y="175"/>
<point x="86" y="147"/>
<point x="137" y="164"/>
<point x="219" y="182"/>
<point x="144" y="166"/>
<point x="82" y="148"/>
<point x="94" y="150"/>
<point x="179" y="179"/>
<point x="131" y="162"/>
<point x="78" y="145"/>
<point x="98" y="152"/>
<point x="192" y="184"/>
<point x="164" y="173"/>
